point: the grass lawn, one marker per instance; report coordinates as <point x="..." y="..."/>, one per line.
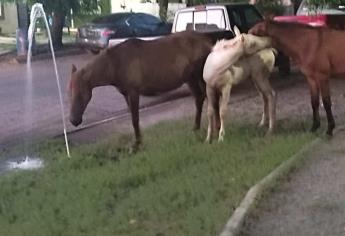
<point x="7" y="47"/>
<point x="177" y="185"/>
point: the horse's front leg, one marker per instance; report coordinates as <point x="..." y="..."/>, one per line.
<point x="223" y="105"/>
<point x="133" y="103"/>
<point x="315" y="102"/>
<point x="327" y="104"/>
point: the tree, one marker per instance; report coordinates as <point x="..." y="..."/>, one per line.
<point x="319" y="3"/>
<point x="59" y="9"/>
<point x="163" y="9"/>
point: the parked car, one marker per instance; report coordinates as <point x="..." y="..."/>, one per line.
<point x="118" y="27"/>
<point x="326" y="15"/>
<point x="218" y="21"/>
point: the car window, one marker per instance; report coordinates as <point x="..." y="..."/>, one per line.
<point x="184" y="21"/>
<point x="204" y="21"/>
<point x="141" y="20"/>
<point x="236" y="19"/>
<point x="150" y="20"/>
<point x="251" y="16"/>
<point x="111" y="18"/>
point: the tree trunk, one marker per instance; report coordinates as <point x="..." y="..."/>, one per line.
<point x="163" y="9"/>
<point x="189" y="3"/>
<point x="57" y="26"/>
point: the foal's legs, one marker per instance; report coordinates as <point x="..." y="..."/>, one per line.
<point x="223" y="105"/>
<point x="133" y="103"/>
<point x="211" y="111"/>
<point x="269" y="96"/>
<point x="265" y="114"/>
<point x="315" y="102"/>
<point x="327" y="104"/>
<point x="198" y="91"/>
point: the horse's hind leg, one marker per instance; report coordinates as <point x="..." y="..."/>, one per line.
<point x="223" y="105"/>
<point x="315" y="102"/>
<point x="133" y="102"/>
<point x="198" y="91"/>
<point x="327" y="104"/>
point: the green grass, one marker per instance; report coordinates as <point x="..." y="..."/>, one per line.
<point x="6" y="47"/>
<point x="177" y="185"/>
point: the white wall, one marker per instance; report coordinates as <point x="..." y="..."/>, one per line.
<point x="148" y="7"/>
<point x="9" y="24"/>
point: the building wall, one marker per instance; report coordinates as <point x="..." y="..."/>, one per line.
<point x="9" y="19"/>
<point x="148" y="7"/>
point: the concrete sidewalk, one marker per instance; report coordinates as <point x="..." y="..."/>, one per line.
<point x="311" y="201"/>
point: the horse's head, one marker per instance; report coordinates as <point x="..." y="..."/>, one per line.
<point x="253" y="43"/>
<point x="260" y="29"/>
<point x="80" y="94"/>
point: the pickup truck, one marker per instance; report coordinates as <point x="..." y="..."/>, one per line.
<point x="218" y="21"/>
<point x="325" y="16"/>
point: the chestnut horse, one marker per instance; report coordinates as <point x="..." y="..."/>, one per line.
<point x="318" y="52"/>
<point x="137" y="67"/>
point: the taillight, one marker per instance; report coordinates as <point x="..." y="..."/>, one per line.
<point x="106" y="33"/>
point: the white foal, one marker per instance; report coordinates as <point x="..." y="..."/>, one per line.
<point x="223" y="69"/>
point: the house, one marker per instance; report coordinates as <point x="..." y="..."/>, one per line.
<point x="13" y="16"/>
<point x="146" y="6"/>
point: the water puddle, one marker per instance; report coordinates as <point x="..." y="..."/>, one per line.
<point x="27" y="163"/>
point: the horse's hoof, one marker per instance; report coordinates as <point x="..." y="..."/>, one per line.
<point x="134" y="148"/>
<point x="208" y="140"/>
<point x="315" y="127"/>
<point x="260" y="125"/>
<point x="329" y="133"/>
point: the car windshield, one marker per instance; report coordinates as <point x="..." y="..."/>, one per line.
<point x="306" y="9"/>
<point x="111" y="18"/>
<point x="205" y="21"/>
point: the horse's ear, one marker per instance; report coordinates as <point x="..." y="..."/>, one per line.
<point x="74" y="68"/>
<point x="237" y="31"/>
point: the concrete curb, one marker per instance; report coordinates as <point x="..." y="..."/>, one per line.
<point x="234" y="224"/>
<point x="48" y="55"/>
<point x="42" y="54"/>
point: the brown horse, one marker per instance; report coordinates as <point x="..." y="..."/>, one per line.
<point x="138" y="67"/>
<point x="318" y="52"/>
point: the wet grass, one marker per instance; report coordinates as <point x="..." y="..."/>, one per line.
<point x="176" y="185"/>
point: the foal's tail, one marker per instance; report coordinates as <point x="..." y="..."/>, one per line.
<point x="275" y="52"/>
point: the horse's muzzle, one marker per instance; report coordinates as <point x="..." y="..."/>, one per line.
<point x="75" y="122"/>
